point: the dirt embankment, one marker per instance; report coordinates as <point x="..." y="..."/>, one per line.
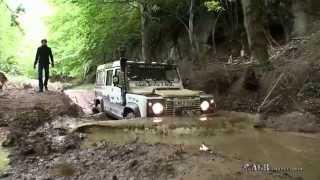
<point x="16" y="101"/>
<point x="288" y="96"/>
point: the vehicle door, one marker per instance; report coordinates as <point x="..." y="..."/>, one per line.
<point x="108" y="90"/>
<point x="100" y="87"/>
<point x="116" y="94"/>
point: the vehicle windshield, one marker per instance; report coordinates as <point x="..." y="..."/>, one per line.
<point x="153" y="72"/>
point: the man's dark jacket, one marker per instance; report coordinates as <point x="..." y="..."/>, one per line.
<point x="43" y="55"/>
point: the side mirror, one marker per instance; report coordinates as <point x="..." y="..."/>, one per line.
<point x="116" y="80"/>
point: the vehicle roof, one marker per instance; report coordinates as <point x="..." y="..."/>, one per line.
<point x="117" y="64"/>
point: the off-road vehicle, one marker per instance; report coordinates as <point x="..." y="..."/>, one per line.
<point x="127" y="89"/>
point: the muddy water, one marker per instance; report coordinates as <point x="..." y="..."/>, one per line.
<point x="233" y="137"/>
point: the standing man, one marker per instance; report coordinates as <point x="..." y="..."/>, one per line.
<point x="43" y="54"/>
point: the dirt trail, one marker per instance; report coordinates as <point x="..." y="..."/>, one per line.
<point x="42" y="151"/>
<point x="15" y="101"/>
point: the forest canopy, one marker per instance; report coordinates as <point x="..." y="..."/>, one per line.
<point x="86" y="33"/>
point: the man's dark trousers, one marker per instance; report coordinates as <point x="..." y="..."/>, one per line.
<point x="42" y="67"/>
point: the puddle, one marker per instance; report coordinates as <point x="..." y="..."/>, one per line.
<point x="63" y="170"/>
<point x="235" y="138"/>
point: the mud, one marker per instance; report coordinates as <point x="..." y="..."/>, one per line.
<point x="238" y="141"/>
<point x="167" y="149"/>
<point x="16" y="101"/>
<point x="291" y="104"/>
<point x="83" y="98"/>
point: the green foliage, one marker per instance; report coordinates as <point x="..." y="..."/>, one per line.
<point x="9" y="38"/>
<point x="214" y="6"/>
<point x="87" y="33"/>
<point x="312" y="89"/>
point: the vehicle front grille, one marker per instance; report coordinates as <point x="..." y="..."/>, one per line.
<point x="174" y="106"/>
<point x="169" y="109"/>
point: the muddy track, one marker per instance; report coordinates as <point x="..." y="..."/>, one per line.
<point x="42" y="150"/>
<point x="15" y="101"/>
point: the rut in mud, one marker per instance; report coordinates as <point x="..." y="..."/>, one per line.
<point x="47" y="151"/>
<point x="50" y="139"/>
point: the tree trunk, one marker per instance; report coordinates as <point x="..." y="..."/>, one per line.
<point x="253" y="21"/>
<point x="194" y="47"/>
<point x="214" y="47"/>
<point x="144" y="34"/>
<point x="299" y="8"/>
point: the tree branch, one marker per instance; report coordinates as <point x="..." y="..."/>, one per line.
<point x="13" y="15"/>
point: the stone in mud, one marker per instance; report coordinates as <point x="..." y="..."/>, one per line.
<point x="133" y="163"/>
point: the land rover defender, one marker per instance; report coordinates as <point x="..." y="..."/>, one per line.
<point x="127" y="89"/>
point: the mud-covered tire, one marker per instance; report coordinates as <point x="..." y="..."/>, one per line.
<point x="95" y="110"/>
<point x="101" y="106"/>
<point x="98" y="107"/>
<point x="130" y="115"/>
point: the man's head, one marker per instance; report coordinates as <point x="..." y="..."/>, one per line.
<point x="44" y="42"/>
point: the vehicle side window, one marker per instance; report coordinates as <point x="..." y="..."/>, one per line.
<point x="109" y="77"/>
<point x="117" y="72"/>
<point x="99" y="78"/>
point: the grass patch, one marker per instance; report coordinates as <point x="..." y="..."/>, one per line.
<point x="4" y="160"/>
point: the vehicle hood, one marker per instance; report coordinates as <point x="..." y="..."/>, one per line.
<point x="166" y="92"/>
<point x="177" y="93"/>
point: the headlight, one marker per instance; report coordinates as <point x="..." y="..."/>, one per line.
<point x="205" y="106"/>
<point x="157" y="108"/>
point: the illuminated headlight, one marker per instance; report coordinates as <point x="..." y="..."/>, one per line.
<point x="157" y="108"/>
<point x="205" y="106"/>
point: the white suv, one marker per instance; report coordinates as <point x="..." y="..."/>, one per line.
<point x="126" y="89"/>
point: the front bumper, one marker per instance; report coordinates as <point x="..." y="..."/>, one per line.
<point x="182" y="106"/>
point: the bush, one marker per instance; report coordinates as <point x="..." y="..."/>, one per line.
<point x="311" y="89"/>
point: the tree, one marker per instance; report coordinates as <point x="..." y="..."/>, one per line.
<point x="10" y="35"/>
<point x="253" y="11"/>
<point x="145" y="7"/>
<point x="146" y="10"/>
<point x="215" y="7"/>
<point x="300" y="17"/>
<point x="184" y="13"/>
<point x="193" y="42"/>
<point x="87" y="33"/>
<point x="144" y="36"/>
